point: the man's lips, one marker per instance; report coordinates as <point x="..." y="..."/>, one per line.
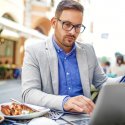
<point x="70" y="38"/>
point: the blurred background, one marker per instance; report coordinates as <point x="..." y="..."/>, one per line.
<point x="23" y="22"/>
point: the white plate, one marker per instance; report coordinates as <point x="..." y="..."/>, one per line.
<point x="42" y="111"/>
<point x="2" y="119"/>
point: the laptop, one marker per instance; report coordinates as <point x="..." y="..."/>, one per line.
<point x="110" y="107"/>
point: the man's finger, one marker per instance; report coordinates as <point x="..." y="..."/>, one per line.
<point x="76" y="108"/>
<point x="88" y="101"/>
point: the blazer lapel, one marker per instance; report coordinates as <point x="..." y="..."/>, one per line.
<point x="53" y="64"/>
<point x="83" y="69"/>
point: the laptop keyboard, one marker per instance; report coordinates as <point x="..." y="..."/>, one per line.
<point x="84" y="121"/>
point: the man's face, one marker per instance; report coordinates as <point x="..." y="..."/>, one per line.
<point x="65" y="39"/>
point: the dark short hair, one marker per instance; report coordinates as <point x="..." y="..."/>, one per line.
<point x="67" y="5"/>
<point x="120" y="57"/>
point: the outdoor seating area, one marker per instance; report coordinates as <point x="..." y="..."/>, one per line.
<point x="62" y="62"/>
<point x="9" y="72"/>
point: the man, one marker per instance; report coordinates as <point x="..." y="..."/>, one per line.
<point x="58" y="72"/>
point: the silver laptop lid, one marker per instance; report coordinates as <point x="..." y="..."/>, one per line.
<point x="110" y="106"/>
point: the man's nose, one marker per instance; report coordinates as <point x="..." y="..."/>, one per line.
<point x="73" y="31"/>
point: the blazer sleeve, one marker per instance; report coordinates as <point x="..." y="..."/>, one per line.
<point x="32" y="84"/>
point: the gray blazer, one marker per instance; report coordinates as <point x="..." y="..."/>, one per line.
<point x="40" y="82"/>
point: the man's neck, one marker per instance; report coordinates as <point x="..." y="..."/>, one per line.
<point x="66" y="49"/>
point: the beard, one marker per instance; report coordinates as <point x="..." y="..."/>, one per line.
<point x="68" y="40"/>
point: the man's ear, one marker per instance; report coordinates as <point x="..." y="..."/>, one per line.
<point x="53" y="22"/>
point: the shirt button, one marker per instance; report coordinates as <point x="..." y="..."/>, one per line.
<point x="69" y="88"/>
<point x="67" y="73"/>
<point x="65" y="58"/>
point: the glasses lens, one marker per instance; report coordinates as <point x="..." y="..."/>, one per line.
<point x="82" y="28"/>
<point x="67" y="26"/>
<point x="78" y="28"/>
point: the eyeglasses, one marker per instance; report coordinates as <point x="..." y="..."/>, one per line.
<point x="68" y="26"/>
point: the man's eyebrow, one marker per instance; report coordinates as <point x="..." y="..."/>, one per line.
<point x="71" y="22"/>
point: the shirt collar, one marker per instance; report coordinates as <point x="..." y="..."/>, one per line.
<point x="58" y="49"/>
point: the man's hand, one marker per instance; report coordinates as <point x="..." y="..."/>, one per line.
<point x="79" y="104"/>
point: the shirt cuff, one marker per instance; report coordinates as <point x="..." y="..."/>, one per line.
<point x="64" y="101"/>
<point x="122" y="79"/>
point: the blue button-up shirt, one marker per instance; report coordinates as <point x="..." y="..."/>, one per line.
<point x="69" y="77"/>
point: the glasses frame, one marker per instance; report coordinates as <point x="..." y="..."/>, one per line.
<point x="72" y="26"/>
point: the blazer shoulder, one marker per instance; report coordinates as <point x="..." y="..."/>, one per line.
<point x="85" y="46"/>
<point x="38" y="45"/>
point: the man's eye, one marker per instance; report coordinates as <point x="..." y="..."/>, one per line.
<point x="67" y="24"/>
<point x="78" y="26"/>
